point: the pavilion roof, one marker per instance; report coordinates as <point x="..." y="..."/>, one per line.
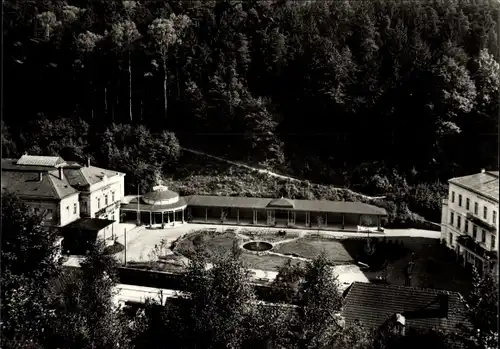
<point x="298" y="205"/>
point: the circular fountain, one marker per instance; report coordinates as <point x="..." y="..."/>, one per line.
<point x="257" y="247"/>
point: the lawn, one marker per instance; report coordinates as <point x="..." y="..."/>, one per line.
<point x="337" y="251"/>
<point x="214" y="244"/>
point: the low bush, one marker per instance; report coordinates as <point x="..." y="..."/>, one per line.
<point x="112" y="249"/>
<point x="406" y="205"/>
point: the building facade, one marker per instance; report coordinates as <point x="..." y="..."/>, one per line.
<point x="101" y="190"/>
<point x="64" y="192"/>
<point x="469" y="219"/>
<point x="163" y="206"/>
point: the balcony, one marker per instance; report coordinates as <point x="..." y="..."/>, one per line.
<point x="473" y="246"/>
<point x="108" y="208"/>
<point x="480" y="223"/>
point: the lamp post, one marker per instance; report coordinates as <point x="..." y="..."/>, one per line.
<point x="138" y="207"/>
<point x="125" y="243"/>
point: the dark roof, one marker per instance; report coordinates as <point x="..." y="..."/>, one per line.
<point x="89" y="224"/>
<point x="84" y="176"/>
<point x="484" y="183"/>
<point x="299" y="205"/>
<point x="374" y="304"/>
<point x="281" y="203"/>
<point x="132" y="206"/>
<point x="160" y="195"/>
<point x="27" y="185"/>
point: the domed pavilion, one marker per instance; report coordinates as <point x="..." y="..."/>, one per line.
<point x="159" y="206"/>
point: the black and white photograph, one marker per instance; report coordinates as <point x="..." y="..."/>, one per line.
<point x="250" y="174"/>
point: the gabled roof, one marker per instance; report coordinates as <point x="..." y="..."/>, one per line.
<point x="36" y="160"/>
<point x="374" y="304"/>
<point x="281" y="203"/>
<point x="485" y="183"/>
<point x="27" y="185"/>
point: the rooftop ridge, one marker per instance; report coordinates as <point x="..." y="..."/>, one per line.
<point x="52" y="184"/>
<point x="416" y="288"/>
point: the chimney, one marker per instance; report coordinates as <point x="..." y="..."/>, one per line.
<point x="61" y="173"/>
<point x="40" y="176"/>
<point x="88" y="162"/>
<point x="443" y="304"/>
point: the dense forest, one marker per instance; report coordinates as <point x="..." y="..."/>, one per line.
<point x="351" y="93"/>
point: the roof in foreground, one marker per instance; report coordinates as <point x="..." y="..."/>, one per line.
<point x="299" y="205"/>
<point x="484" y="183"/>
<point x="89" y="224"/>
<point x="374" y="304"/>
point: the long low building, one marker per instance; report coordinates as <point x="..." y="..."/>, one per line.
<point x="163" y="206"/>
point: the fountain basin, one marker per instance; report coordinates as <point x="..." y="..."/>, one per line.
<point x="257" y="247"/>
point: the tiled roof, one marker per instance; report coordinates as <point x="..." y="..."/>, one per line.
<point x="83" y="176"/>
<point x="374" y="304"/>
<point x="484" y="183"/>
<point x="11" y="165"/>
<point x="299" y="205"/>
<point x="35" y="160"/>
<point x="27" y="185"/>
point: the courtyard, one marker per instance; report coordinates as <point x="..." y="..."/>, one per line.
<point x="153" y="248"/>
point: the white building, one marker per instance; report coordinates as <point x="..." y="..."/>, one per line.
<point x="469" y="219"/>
<point x="101" y="191"/>
<point x="67" y="194"/>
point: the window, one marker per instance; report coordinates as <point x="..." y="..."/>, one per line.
<point x="67" y="210"/>
<point x="113" y="196"/>
<point x="460" y="200"/>
<point x="106" y="200"/>
<point x="98" y="203"/>
<point x="476" y="208"/>
<point x="452" y="218"/>
<point x="485" y="212"/>
<point x="450" y="236"/>
<point x="459" y="222"/>
<point x="452" y="196"/>
<point x="467" y="204"/>
<point x="474" y="232"/>
<point x="492" y="242"/>
<point x="483" y="236"/>
<point x="74" y="208"/>
<point x="112" y="216"/>
<point x="466" y="227"/>
<point x="494" y="217"/>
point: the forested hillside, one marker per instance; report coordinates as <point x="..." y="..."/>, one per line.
<point x="348" y="93"/>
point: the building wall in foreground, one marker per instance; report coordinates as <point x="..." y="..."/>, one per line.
<point x="69" y="209"/>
